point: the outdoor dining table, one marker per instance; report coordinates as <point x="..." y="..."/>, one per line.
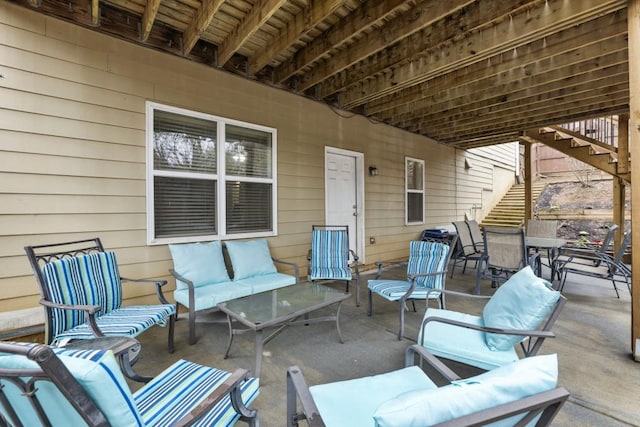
<point x="550" y="244"/>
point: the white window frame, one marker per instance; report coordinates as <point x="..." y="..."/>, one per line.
<point x="408" y="191"/>
<point x="220" y="178"/>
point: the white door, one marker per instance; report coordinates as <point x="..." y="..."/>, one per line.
<point x="342" y="195"/>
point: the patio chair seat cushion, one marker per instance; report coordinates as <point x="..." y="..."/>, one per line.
<point x="444" y="340"/>
<point x="503" y="385"/>
<point x="209" y="296"/>
<point x="335" y="273"/>
<point x="97" y="371"/>
<point x="181" y="387"/>
<point x="125" y="321"/>
<point x="360" y="397"/>
<point x="393" y="290"/>
<point x="522" y="302"/>
<point x="202" y="263"/>
<point x="267" y="282"/>
<point x="250" y="259"/>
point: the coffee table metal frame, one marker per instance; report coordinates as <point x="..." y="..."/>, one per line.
<point x="278" y="309"/>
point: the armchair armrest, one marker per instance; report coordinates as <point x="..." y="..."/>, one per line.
<point x="424" y="355"/>
<point x="90" y="309"/>
<point x="297" y="389"/>
<point x="230" y="386"/>
<point x="382" y="264"/>
<point x="189" y="283"/>
<point x="290" y="264"/>
<point x="159" y="284"/>
<point x="519" y="332"/>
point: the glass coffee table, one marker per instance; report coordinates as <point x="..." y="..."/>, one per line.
<point x="278" y="309"/>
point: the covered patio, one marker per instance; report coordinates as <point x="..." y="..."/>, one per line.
<point x="392" y="85"/>
<point x="591" y="333"/>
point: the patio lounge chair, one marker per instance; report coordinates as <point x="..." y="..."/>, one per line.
<point x="517" y="393"/>
<point x="595" y="263"/>
<point x="426" y="271"/>
<point x="466" y="249"/>
<point x="330" y="257"/>
<point x="585" y="255"/>
<point x="45" y="386"/>
<point x="521" y="311"/>
<point x="81" y="292"/>
<point x="505" y="252"/>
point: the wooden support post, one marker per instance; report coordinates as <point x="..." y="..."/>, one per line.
<point x="633" y="17"/>
<point x="619" y="201"/>
<point x="528" y="183"/>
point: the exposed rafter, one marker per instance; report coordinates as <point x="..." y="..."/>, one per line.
<point x="467" y="73"/>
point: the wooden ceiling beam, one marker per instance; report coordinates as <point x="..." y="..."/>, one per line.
<point x="370" y="13"/>
<point x="463" y="21"/>
<point x="405" y="24"/>
<point x="261" y="12"/>
<point x="565" y="47"/>
<point x="148" y="18"/>
<point x="540" y="103"/>
<point x="301" y="24"/>
<point x="615" y="101"/>
<point x="500" y="138"/>
<point x="521" y="86"/>
<point x="508" y="35"/>
<point x="202" y="19"/>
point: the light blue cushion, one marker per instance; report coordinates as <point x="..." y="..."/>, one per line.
<point x="352" y="402"/>
<point x="202" y="263"/>
<point x="517" y="380"/>
<point x="99" y="374"/>
<point x="251" y="258"/>
<point x="267" y="282"/>
<point x="522" y="302"/>
<point x="209" y="296"/>
<point x="463" y="345"/>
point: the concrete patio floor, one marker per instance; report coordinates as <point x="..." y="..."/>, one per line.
<point x="593" y="347"/>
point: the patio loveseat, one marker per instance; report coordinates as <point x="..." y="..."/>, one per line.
<point x="203" y="279"/>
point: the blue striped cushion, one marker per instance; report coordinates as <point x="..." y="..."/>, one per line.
<point x="125" y="321"/>
<point x="181" y="387"/>
<point x="428" y="257"/>
<point x="94" y="279"/>
<point x="91" y="279"/>
<point x="424" y="257"/>
<point x="329" y="255"/>
<point x="97" y="371"/>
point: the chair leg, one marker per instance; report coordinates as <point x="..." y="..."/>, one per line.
<point x="172" y="328"/>
<point x="401" y="330"/>
<point x="370" y="304"/>
<point x="192" y="326"/>
<point x="357" y="291"/>
<point x="615" y="288"/>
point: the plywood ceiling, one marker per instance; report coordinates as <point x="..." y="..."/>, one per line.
<point x="465" y="73"/>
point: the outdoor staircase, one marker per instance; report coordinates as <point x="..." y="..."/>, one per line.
<point x="509" y="212"/>
<point x="595" y="153"/>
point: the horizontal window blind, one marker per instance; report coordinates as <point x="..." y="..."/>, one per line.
<point x="184" y="207"/>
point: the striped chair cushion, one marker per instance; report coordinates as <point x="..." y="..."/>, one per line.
<point x="329" y="255"/>
<point x="428" y="257"/>
<point x="181" y="387"/>
<point x="94" y="279"/>
<point x="424" y="257"/>
<point x="97" y="371"/>
<point x="125" y="321"/>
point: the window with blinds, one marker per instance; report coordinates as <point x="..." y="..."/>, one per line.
<point x="209" y="177"/>
<point x="414" y="191"/>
